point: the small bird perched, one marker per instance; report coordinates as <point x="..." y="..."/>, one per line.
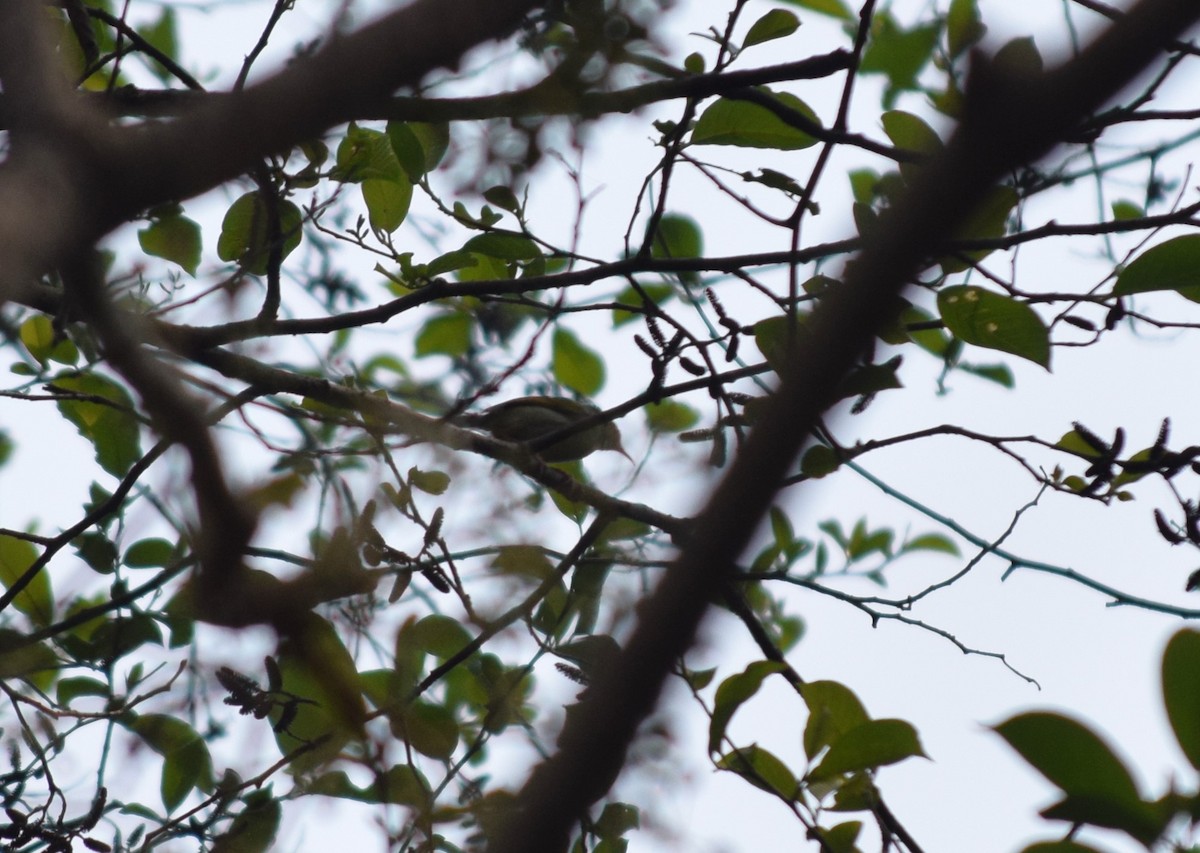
<point x="526" y="419"/>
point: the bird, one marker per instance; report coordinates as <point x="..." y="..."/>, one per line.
<point x="526" y="419"/>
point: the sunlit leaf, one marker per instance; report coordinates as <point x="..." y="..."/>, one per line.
<point x="868" y="746"/>
<point x="734" y="691"/>
<point x="503" y="245"/>
<point x="774" y="24"/>
<point x="245" y="232"/>
<point x="45" y="343"/>
<point x="964" y="27"/>
<point x="149" y="553"/>
<point x="186" y="762"/>
<point x="173" y="238"/>
<point x="418" y="146"/>
<point x="671" y="416"/>
<point x="576" y="365"/>
<point x="991" y="320"/>
<point x="111" y="428"/>
<point x="749" y="125"/>
<point x="931" y="542"/>
<point x="898" y="53"/>
<point x="445" y="334"/>
<point x="761" y="768"/>
<point x="1173" y="265"/>
<point x="833" y="710"/>
<point x="35" y="600"/>
<point x="387" y="202"/>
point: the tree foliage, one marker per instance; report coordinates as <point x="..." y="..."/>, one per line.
<point x="267" y="301"/>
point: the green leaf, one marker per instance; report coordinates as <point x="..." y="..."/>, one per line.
<point x="173" y="238"/>
<point x="762" y="769"/>
<point x="868" y="746"/>
<point x="870" y="379"/>
<point x="670" y="416"/>
<point x="112" y="429"/>
<point x="772" y="336"/>
<point x="387" y="202"/>
<point x="931" y="542"/>
<point x="833" y="710"/>
<point x="898" y="53"/>
<point x="524" y="561"/>
<point x="1123" y="210"/>
<point x="445" y="334"/>
<point x="245" y="236"/>
<point x="430" y="482"/>
<point x="44" y="343"/>
<point x="504" y="245"/>
<point x="775" y="24"/>
<point x="1181" y="691"/>
<point x="656" y="293"/>
<point x="933" y="340"/>
<point x="748" y="125"/>
<point x="1072" y="757"/>
<point x="483" y="268"/>
<point x="910" y="132"/>
<point x="775" y="180"/>
<point x="732" y="692"/>
<point x="149" y="553"/>
<point x="69" y="689"/>
<point x="36" y="663"/>
<point x="429" y="729"/>
<point x="781" y="527"/>
<point x="365" y="154"/>
<point x="990" y="320"/>
<point x="162" y="35"/>
<point x="418" y="146"/>
<point x="1019" y="57"/>
<point x="833" y="8"/>
<point x="17" y="556"/>
<point x="1060" y="847"/>
<point x="1173" y="265"/>
<point x="404" y="785"/>
<point x="1073" y="442"/>
<point x="575" y="510"/>
<point x="316" y="666"/>
<point x="503" y="197"/>
<point x="254" y="828"/>
<point x="575" y="365"/>
<point x="616" y="820"/>
<point x="698" y="679"/>
<point x="819" y="461"/>
<point x="678" y="236"/>
<point x="840" y="838"/>
<point x="440" y="636"/>
<point x="1142" y="821"/>
<point x="963" y="26"/>
<point x="1001" y="374"/>
<point x="186" y="762"/>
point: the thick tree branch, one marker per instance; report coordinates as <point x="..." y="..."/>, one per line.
<point x="537" y="100"/>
